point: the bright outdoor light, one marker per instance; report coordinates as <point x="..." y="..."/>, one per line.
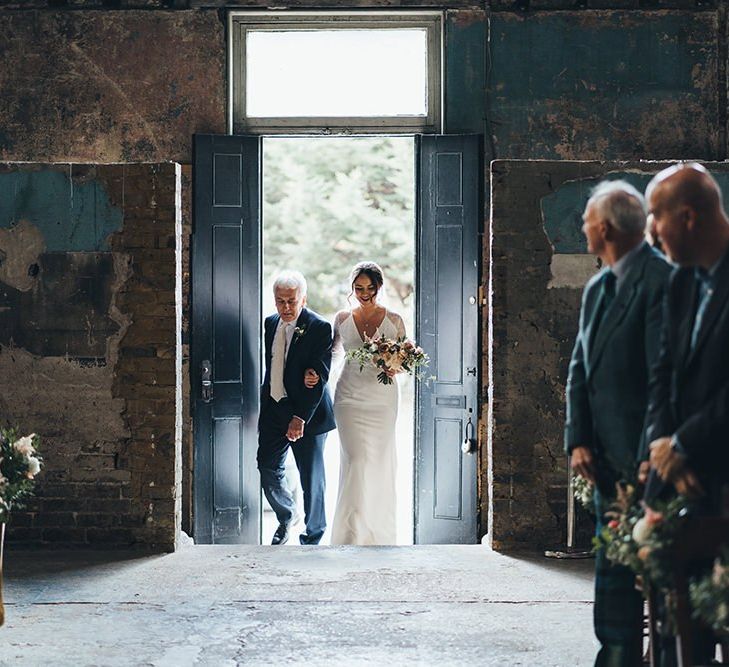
<point x="336" y="73"/>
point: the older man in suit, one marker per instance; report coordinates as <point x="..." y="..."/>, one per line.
<point x="293" y="415"/>
<point x="607" y="388"/>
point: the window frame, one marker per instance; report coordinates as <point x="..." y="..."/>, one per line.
<point x="240" y="23"/>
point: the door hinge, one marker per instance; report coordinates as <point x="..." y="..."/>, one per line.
<point x="482" y="295"/>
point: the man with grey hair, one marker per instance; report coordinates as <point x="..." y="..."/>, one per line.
<point x="292" y="415"/>
<point x="607" y="388"/>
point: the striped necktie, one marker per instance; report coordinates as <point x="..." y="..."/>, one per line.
<point x="278" y="361"/>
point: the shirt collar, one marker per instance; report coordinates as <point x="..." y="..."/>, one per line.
<point x="621" y="267"/>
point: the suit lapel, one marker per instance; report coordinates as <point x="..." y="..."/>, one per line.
<point x="592" y="308"/>
<point x="618" y="308"/>
<point x="713" y="309"/>
<point x="686" y="324"/>
<point x="301" y="323"/>
<point x="270" y="333"/>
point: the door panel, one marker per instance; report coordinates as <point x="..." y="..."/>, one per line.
<point x="225" y="337"/>
<point x="449" y="220"/>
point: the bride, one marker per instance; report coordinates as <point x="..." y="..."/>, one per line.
<point x="366" y="412"/>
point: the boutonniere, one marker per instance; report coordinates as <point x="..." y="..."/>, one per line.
<point x="299" y="332"/>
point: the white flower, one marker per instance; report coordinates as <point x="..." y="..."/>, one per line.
<point x="642" y="530"/>
<point x="33" y="467"/>
<point x="25" y="445"/>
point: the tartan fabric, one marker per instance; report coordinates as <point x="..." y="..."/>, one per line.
<point x="618" y="611"/>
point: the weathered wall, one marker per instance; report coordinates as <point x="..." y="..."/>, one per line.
<point x="539" y="267"/>
<point x="88" y="354"/>
<point x="95" y="86"/>
<point x="583" y="85"/>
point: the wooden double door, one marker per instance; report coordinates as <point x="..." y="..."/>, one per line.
<point x="226" y="341"/>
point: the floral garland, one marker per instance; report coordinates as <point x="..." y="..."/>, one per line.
<point x="641" y="537"/>
<point x="710" y="595"/>
<point x="19" y="464"/>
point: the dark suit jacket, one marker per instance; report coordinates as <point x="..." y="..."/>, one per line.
<point x="689" y="391"/>
<point x="607" y="388"/>
<point x="311" y="349"/>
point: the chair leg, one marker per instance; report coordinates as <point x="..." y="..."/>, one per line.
<point x="652" y="626"/>
<point x="683" y="623"/>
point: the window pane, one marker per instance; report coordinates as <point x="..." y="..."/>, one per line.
<point x="336" y="73"/>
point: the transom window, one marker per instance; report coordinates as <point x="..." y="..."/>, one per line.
<point x="336" y="72"/>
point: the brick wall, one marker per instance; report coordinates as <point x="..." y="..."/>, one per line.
<point x="108" y="408"/>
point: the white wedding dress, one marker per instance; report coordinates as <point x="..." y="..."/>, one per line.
<point x="366" y="412"/>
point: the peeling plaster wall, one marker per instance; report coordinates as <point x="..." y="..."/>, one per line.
<point x="586" y="85"/>
<point x="88" y="355"/>
<point x="536" y="208"/>
<point x="105" y="86"/>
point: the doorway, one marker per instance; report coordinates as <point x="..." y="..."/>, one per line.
<point x="329" y="203"/>
<point x="226" y="345"/>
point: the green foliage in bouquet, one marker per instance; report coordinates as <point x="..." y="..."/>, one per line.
<point x="710" y="595"/>
<point x="19" y="464"/>
<point x="641" y="537"/>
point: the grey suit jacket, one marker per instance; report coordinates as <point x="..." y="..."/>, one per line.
<point x="607" y="387"/>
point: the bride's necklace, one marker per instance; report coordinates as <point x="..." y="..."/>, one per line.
<point x="368" y="328"/>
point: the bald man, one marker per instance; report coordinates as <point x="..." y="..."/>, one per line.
<point x="688" y="410"/>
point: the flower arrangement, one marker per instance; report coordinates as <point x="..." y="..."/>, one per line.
<point x="387" y="354"/>
<point x="710" y="595"/>
<point x="584" y="492"/>
<point x="19" y="464"/>
<point x="641" y="537"/>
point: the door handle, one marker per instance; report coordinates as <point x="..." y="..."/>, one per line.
<point x="469" y="445"/>
<point x="207" y="382"/>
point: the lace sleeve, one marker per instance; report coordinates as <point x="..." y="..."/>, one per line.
<point x="337" y="347"/>
<point x="398" y="323"/>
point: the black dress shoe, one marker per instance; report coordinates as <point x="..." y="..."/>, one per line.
<point x="281" y="536"/>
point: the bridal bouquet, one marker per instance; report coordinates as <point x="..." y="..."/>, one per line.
<point x="19" y="464"/>
<point x="400" y="354"/>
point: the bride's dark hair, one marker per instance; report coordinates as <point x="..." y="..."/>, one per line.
<point x="369" y="269"/>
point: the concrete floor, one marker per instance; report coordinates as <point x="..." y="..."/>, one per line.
<point x="224" y="605"/>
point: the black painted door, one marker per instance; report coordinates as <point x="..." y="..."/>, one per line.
<point x="225" y="338"/>
<point x="448" y="251"/>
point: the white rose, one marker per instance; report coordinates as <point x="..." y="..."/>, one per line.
<point x="642" y="530"/>
<point x="25" y="445"/>
<point x="33" y="467"/>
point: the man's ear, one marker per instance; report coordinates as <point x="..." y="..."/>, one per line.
<point x="607" y="231"/>
<point x="689" y="217"/>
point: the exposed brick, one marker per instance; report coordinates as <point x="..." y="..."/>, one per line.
<point x="99" y="482"/>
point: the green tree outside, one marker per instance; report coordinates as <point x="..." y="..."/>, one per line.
<point x="332" y="202"/>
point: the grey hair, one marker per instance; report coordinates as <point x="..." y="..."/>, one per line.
<point x="289" y="279"/>
<point x="621" y="205"/>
